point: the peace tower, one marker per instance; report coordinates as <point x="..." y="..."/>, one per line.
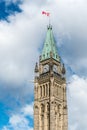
<point x="50" y="102"/>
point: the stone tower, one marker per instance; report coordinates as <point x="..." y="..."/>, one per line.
<point x="50" y="102"/>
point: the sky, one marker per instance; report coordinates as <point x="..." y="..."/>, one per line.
<point x="22" y="34"/>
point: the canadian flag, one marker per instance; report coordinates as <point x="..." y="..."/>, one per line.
<point x="46" y="13"/>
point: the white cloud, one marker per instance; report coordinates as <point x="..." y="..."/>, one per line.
<point x="21" y="39"/>
<point x="28" y="110"/>
<point x="77" y="108"/>
<point x="19" y="43"/>
<point x="24" y="35"/>
<point x="77" y="104"/>
<point x="19" y="121"/>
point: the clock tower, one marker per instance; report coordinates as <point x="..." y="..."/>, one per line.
<point x="50" y="101"/>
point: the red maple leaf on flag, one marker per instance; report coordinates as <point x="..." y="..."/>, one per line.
<point x="46" y="13"/>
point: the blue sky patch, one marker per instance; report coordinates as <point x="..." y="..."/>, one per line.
<point x="31" y="121"/>
<point x="3" y="115"/>
<point x="8" y="9"/>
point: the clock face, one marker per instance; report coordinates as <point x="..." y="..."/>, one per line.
<point x="46" y="68"/>
<point x="55" y="68"/>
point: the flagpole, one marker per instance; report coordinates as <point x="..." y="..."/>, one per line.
<point x="49" y="20"/>
<point x="48" y="15"/>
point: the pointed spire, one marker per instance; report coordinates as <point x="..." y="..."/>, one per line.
<point x="36" y="68"/>
<point x="63" y="69"/>
<point x="49" y="49"/>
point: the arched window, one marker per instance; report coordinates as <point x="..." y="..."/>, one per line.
<point x="59" y="108"/>
<point x="47" y="108"/>
<point x="36" y="110"/>
<point x="42" y="109"/>
<point x="56" y="108"/>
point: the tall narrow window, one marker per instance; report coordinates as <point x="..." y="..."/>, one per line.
<point x="42" y="120"/>
<point x="41" y="90"/>
<point x="48" y="116"/>
<point x="42" y="116"/>
<point x="46" y="90"/>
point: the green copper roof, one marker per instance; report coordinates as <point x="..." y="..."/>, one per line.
<point x="50" y="49"/>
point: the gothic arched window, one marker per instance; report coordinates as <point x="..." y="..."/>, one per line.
<point x="36" y="109"/>
<point x="42" y="109"/>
